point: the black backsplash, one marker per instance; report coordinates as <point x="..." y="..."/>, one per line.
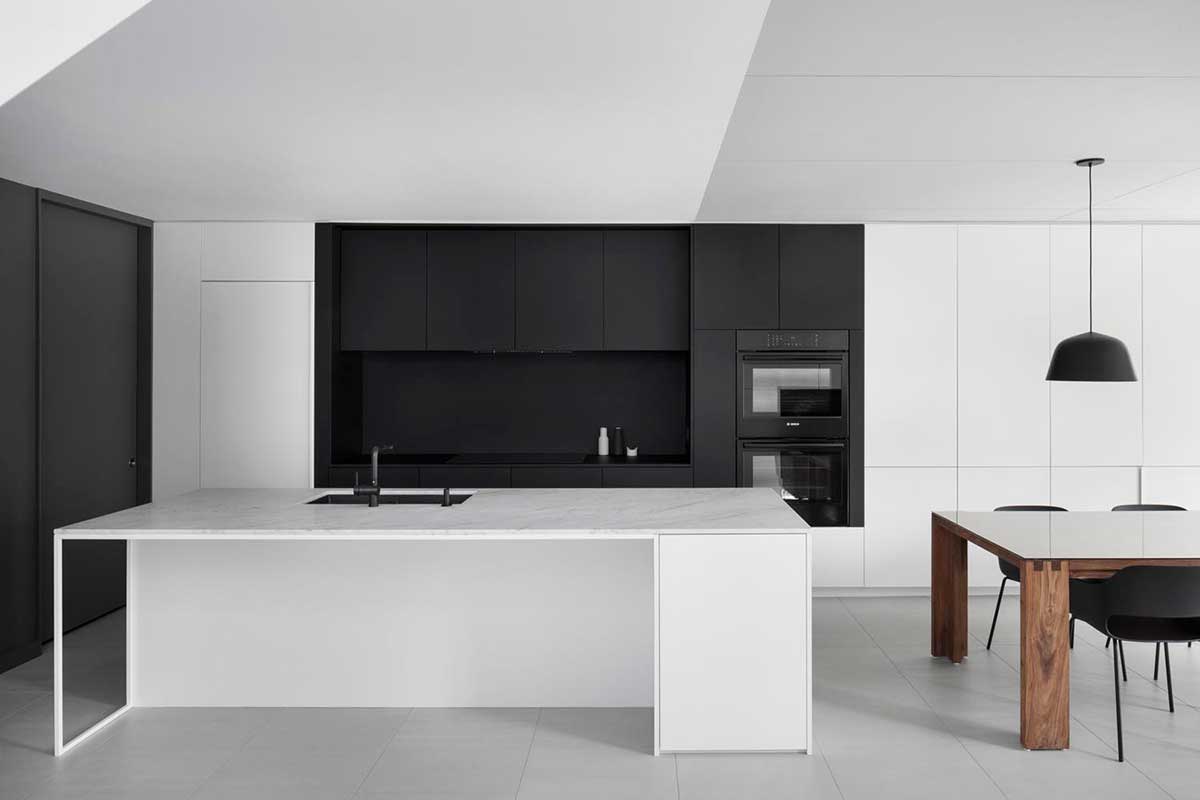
<point x="451" y="402"/>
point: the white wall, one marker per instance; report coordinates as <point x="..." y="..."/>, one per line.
<point x="233" y="355"/>
<point x="960" y="324"/>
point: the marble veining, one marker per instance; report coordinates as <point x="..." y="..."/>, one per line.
<point x="548" y="513"/>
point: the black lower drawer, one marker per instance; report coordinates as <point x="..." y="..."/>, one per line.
<point x="466" y="477"/>
<point x="655" y="477"/>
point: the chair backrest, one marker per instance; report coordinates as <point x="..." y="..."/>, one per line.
<point x="1029" y="508"/>
<point x="1148" y="507"/>
<point x="1155" y="592"/>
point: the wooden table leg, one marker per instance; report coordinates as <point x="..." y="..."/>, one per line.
<point x="948" y="610"/>
<point x="1045" y="655"/>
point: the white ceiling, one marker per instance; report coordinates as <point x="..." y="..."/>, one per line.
<point x="857" y="110"/>
<point x="455" y="110"/>
<point x="867" y="110"/>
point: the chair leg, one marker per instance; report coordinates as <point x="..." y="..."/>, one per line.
<point x="1117" y="695"/>
<point x="1170" y="688"/>
<point x="1121" y="650"/>
<point x="1107" y="641"/>
<point x="1157" y="647"/>
<point x="1071" y="634"/>
<point x="996" y="613"/>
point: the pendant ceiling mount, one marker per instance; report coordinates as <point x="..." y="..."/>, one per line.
<point x="1090" y="356"/>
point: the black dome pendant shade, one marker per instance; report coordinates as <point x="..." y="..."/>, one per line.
<point x="1090" y="356"/>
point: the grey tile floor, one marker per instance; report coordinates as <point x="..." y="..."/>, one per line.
<point x="890" y="722"/>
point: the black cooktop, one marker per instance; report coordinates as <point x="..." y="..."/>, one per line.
<point x="518" y="458"/>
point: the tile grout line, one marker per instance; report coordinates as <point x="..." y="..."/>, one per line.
<point x="928" y="705"/>
<point x="832" y="777"/>
<point x="1140" y="771"/>
<point x="382" y="751"/>
<point x="232" y="755"/>
<point x="678" y="789"/>
<point x="528" y="752"/>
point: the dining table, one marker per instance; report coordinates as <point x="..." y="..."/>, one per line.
<point x="1050" y="548"/>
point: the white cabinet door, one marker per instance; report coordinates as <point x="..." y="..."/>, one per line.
<point x="899" y="502"/>
<point x="1093" y="488"/>
<point x="837" y="555"/>
<point x="734" y="641"/>
<point x="1097" y="424"/>
<point x="258" y="251"/>
<point x="1003" y="345"/>
<point x="255" y="378"/>
<point x="1171" y="373"/>
<point x="984" y="488"/>
<point x="1179" y="486"/>
<point x="910" y="403"/>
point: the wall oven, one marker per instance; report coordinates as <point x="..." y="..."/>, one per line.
<point x="793" y="384"/>
<point x="812" y="477"/>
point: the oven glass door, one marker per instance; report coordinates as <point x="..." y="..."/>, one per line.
<point x="791" y="395"/>
<point x="811" y="477"/>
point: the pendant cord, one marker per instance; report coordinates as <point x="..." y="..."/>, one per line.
<point x="1090" y="328"/>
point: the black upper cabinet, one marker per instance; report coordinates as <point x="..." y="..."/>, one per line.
<point x="736" y="276"/>
<point x="560" y="290"/>
<point x="646" y="289"/>
<point x="472" y="280"/>
<point x="821" y="276"/>
<point x="383" y="289"/>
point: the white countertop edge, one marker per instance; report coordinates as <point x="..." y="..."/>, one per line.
<point x="431" y="535"/>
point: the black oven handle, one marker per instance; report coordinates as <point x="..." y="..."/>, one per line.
<point x="793" y="445"/>
<point x="807" y="355"/>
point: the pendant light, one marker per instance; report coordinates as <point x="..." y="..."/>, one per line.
<point x="1090" y="356"/>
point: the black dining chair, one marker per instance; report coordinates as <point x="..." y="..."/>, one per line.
<point x="1141" y="604"/>
<point x="1151" y="507"/>
<point x="1010" y="571"/>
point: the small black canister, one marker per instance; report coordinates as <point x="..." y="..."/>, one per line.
<point x="617" y="448"/>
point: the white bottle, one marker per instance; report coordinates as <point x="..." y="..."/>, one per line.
<point x="602" y="443"/>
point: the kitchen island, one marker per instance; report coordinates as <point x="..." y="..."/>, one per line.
<point x="693" y="601"/>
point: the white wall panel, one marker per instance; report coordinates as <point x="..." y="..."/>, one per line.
<point x="1175" y="485"/>
<point x="984" y="488"/>
<point x="1171" y="285"/>
<point x="899" y="504"/>
<point x="1003" y="345"/>
<point x="176" y="396"/>
<point x="258" y="251"/>
<point x="910" y="359"/>
<point x="1093" y="488"/>
<point x="837" y="557"/>
<point x="256" y="393"/>
<point x="1097" y="424"/>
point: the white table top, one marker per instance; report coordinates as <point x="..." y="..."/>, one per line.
<point x="496" y="513"/>
<point x="1086" y="534"/>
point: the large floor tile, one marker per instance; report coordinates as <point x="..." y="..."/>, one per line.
<point x="763" y="777"/>
<point x="296" y="768"/>
<point x="454" y="766"/>
<point x="624" y="728"/>
<point x="334" y="729"/>
<point x="557" y="771"/>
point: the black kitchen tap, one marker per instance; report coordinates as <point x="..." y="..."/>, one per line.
<point x="372" y="491"/>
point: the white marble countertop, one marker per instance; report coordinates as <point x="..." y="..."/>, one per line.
<point x="496" y="513"/>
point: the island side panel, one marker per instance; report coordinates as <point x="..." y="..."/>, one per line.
<point x="734" y="642"/>
<point x="391" y="623"/>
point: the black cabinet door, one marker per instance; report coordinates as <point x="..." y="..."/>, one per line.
<point x="560" y="290"/>
<point x="736" y="276"/>
<point x="642" y="477"/>
<point x="471" y="290"/>
<point x="466" y="477"/>
<point x="646" y="289"/>
<point x="821" y="276"/>
<point x="555" y="477"/>
<point x="390" y="477"/>
<point x="714" y="408"/>
<point x="383" y="289"/>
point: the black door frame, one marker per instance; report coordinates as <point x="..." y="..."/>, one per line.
<point x="145" y="352"/>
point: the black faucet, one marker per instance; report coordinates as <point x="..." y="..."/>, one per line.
<point x="372" y="491"/>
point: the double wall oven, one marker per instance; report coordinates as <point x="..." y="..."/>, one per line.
<point x="794" y="419"/>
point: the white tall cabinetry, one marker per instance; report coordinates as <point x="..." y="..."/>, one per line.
<point x="233" y="356"/>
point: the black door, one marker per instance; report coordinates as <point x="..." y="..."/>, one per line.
<point x="472" y="290"/>
<point x="821" y="276"/>
<point x="88" y="400"/>
<point x="736" y="276"/>
<point x="646" y="289"/>
<point x="383" y="289"/>
<point x="560" y="290"/>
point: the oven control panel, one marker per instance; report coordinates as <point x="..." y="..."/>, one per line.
<point x="793" y="340"/>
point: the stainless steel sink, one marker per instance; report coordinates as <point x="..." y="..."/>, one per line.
<point x="388" y="499"/>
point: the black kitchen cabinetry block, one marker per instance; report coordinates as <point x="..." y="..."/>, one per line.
<point x="389" y="477"/>
<point x="383" y="289"/>
<point x="466" y="477"/>
<point x="714" y="408"/>
<point x="472" y="290"/>
<point x="646" y="289"/>
<point x="19" y="636"/>
<point x="555" y="477"/>
<point x="643" y="477"/>
<point x="821" y="276"/>
<point x="736" y="274"/>
<point x="560" y="290"/>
